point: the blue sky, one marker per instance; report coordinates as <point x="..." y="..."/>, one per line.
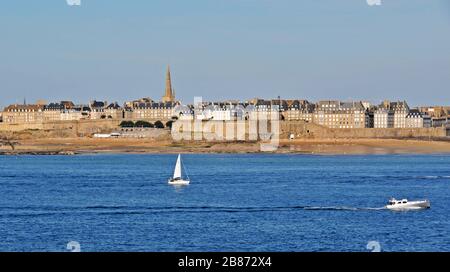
<point x="117" y="50"/>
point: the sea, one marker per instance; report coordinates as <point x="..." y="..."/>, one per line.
<point x="235" y="202"/>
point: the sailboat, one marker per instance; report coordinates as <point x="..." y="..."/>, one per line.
<point x="177" y="175"/>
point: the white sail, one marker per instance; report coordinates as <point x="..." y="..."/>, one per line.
<point x="177" y="172"/>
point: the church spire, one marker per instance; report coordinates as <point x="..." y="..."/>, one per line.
<point x="169" y="95"/>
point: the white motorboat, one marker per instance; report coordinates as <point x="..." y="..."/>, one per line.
<point x="404" y="204"/>
<point x="177" y="178"/>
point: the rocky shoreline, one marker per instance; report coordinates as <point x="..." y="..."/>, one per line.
<point x="38" y="153"/>
<point x="76" y="146"/>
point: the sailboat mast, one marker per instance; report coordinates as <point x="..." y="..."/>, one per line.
<point x="184" y="167"/>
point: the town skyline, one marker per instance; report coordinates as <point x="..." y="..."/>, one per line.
<point x="327" y="113"/>
<point x="158" y="99"/>
<point x="169" y="96"/>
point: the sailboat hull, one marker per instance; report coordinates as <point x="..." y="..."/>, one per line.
<point x="178" y="182"/>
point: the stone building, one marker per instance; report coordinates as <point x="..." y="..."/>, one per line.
<point x="153" y="111"/>
<point x="73" y="115"/>
<point x="52" y="112"/>
<point x="370" y="118"/>
<point x="383" y="118"/>
<point x="97" y="109"/>
<point x="259" y="109"/>
<point x="440" y="115"/>
<point x="417" y="119"/>
<point x="127" y="112"/>
<point x="139" y="103"/>
<point x="440" y="122"/>
<point x="184" y="112"/>
<point x="114" y="111"/>
<point x="68" y="104"/>
<point x="220" y="112"/>
<point x="436" y="111"/>
<point x="401" y="110"/>
<point x="336" y="114"/>
<point x="23" y="114"/>
<point x="391" y="114"/>
<point x="147" y="109"/>
<point x="300" y="110"/>
<point x="65" y="111"/>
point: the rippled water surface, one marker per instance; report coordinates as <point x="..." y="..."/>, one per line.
<point x="235" y="203"/>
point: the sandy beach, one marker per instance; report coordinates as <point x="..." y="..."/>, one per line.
<point x="300" y="146"/>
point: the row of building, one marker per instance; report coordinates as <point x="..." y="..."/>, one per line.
<point x="67" y="111"/>
<point x="332" y="113"/>
<point x="142" y="109"/>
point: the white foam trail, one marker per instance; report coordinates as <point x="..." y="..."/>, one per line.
<point x="375" y="209"/>
<point x="343" y="208"/>
<point x="434" y="177"/>
<point x="431" y="177"/>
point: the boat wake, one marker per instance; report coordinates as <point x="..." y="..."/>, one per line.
<point x="433" y="177"/>
<point x="136" y="210"/>
<point x="343" y="208"/>
<point x="234" y="209"/>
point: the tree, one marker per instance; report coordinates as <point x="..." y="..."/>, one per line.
<point x="169" y="124"/>
<point x="5" y="140"/>
<point x="143" y="124"/>
<point x="127" y="124"/>
<point x="159" y="124"/>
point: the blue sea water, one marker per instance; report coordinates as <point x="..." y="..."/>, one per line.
<point x="235" y="203"/>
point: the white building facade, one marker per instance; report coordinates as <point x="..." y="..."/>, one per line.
<point x="416" y="119"/>
<point x="383" y="118"/>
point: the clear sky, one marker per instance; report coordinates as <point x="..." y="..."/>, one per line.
<point x="118" y="50"/>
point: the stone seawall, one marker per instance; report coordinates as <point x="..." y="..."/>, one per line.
<point x="245" y="130"/>
<point x="66" y="128"/>
<point x="308" y="130"/>
<point x="20" y="127"/>
<point x="233" y="130"/>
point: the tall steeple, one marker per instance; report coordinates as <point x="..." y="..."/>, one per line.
<point x="169" y="95"/>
